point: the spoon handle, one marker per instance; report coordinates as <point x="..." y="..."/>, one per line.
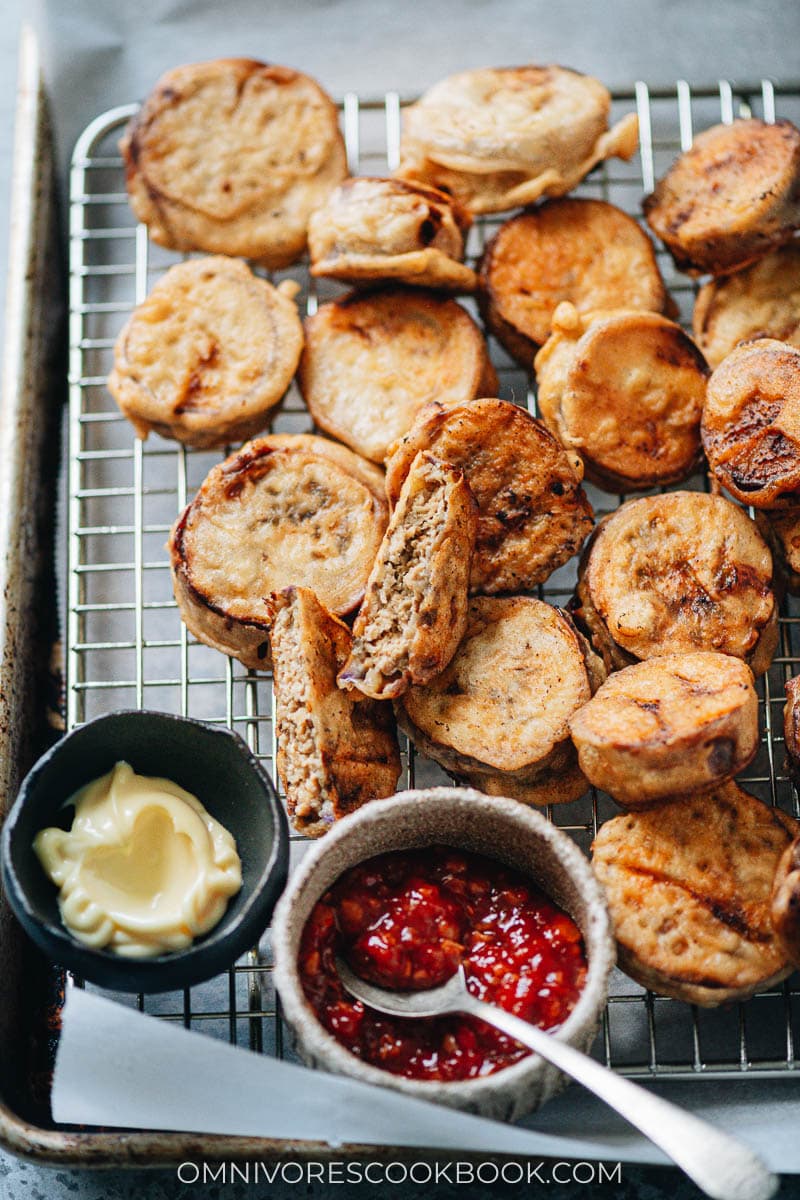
<point x="721" y="1166"/>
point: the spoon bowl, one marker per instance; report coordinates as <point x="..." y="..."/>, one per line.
<point x="721" y="1166"/>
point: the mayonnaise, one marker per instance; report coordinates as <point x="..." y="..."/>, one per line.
<point x="144" y="869"/>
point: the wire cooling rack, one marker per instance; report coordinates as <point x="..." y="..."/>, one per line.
<point x="125" y="643"/>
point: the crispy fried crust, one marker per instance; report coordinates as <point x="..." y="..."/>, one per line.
<point x="497" y="138"/>
<point x="232" y="157"/>
<point x="677" y="573"/>
<point x="786" y="901"/>
<point x="791" y="727"/>
<point x="284" y="510"/>
<point x="335" y="750"/>
<point x="533" y="514"/>
<point x="781" y="532"/>
<point x="625" y="390"/>
<point x="731" y="198"/>
<point x="763" y="300"/>
<point x="208" y="354"/>
<point x="497" y="715"/>
<point x="689" y="886"/>
<point x="751" y="424"/>
<point x="415" y="607"/>
<point x="372" y="229"/>
<point x="675" y="724"/>
<point x="584" y="251"/>
<point x="372" y="361"/>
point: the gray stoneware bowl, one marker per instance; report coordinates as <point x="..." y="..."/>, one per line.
<point x="498" y="828"/>
<point x="207" y="760"/>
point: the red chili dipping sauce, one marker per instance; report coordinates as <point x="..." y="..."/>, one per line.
<point x="406" y="920"/>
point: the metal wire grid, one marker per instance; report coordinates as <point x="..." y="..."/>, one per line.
<point x="126" y="646"/>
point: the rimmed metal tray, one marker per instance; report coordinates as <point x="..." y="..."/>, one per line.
<point x="125" y="644"/>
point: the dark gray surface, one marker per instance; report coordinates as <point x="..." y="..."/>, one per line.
<point x="369" y="47"/>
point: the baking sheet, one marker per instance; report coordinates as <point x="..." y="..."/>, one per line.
<point x="112" y="664"/>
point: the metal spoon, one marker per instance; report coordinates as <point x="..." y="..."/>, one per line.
<point x="722" y="1167"/>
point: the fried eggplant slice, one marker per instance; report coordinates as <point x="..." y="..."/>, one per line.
<point x="751" y="424"/>
<point x="676" y="573"/>
<point x="498" y="715"/>
<point x="285" y="510"/>
<point x="791" y="728"/>
<point x="675" y="724"/>
<point x="585" y="251"/>
<point x="335" y="750"/>
<point x="415" y="607"/>
<point x="533" y="514"/>
<point x="372" y="361"/>
<point x="689" y="889"/>
<point x="374" y="229"/>
<point x="763" y="300"/>
<point x="207" y="356"/>
<point x="625" y="390"/>
<point x="786" y="901"/>
<point x="781" y="532"/>
<point x="232" y="157"/>
<point x="497" y="138"/>
<point x="729" y="199"/>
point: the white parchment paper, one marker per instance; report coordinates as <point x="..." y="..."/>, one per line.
<point x="118" y="1067"/>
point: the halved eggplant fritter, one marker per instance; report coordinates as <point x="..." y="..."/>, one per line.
<point x="731" y="198"/>
<point x="284" y="510"/>
<point x="232" y="156"/>
<point x="207" y="356"/>
<point x="675" y="724"/>
<point x="675" y="573"/>
<point x="498" y="715"/>
<point x="625" y="390"/>
<point x="751" y="424"/>
<point x="373" y="360"/>
<point x="376" y="229"/>
<point x="584" y="251"/>
<point x="497" y="138"/>
<point x="689" y="888"/>
<point x="415" y="607"/>
<point x="335" y="750"/>
<point x="533" y="514"/>
<point x="763" y="300"/>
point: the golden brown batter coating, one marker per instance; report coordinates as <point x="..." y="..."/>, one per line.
<point x="781" y="531"/>
<point x="232" y="157"/>
<point x="791" y="727"/>
<point x="676" y="573"/>
<point x="675" y="724"/>
<point x="208" y="354"/>
<point x="533" y="514"/>
<point x="285" y="510"/>
<point x="584" y="251"/>
<point x="335" y="750"/>
<point x="372" y="361"/>
<point x="763" y="300"/>
<point x="497" y="138"/>
<point x="751" y="424"/>
<point x="415" y="607"/>
<point x="786" y="901"/>
<point x="625" y="390"/>
<point x="731" y="198"/>
<point x="373" y="229"/>
<point x="689" y="887"/>
<point x="498" y="715"/>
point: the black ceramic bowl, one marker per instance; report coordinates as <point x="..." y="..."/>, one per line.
<point x="210" y="762"/>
